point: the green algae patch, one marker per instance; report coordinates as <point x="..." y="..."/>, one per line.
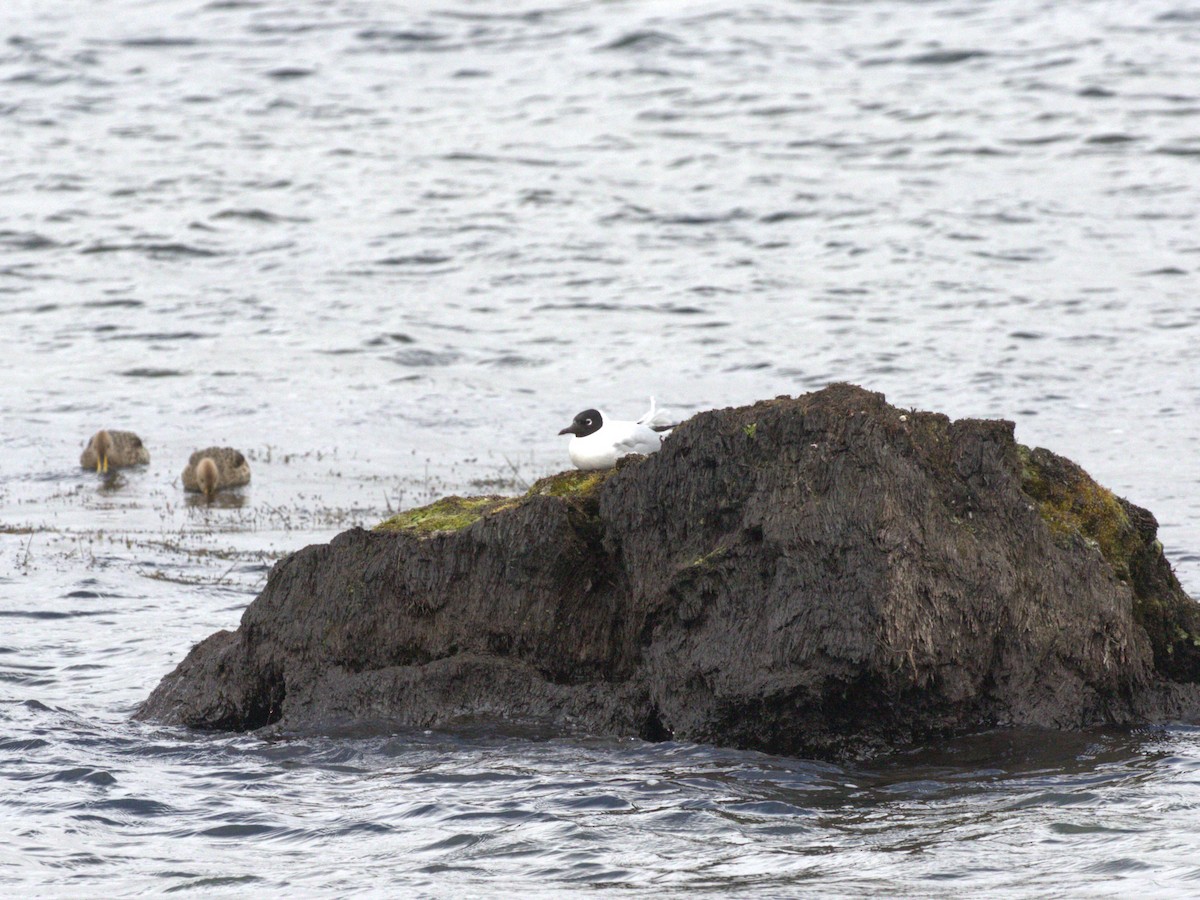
<point x="572" y="485"/>
<point x="456" y="513"/>
<point x="447" y="514"/>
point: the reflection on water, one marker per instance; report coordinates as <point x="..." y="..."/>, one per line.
<point x="225" y="499"/>
<point x="389" y="250"/>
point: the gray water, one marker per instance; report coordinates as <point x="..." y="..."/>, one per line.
<point x="389" y="253"/>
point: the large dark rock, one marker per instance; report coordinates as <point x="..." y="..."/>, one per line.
<point x="809" y="576"/>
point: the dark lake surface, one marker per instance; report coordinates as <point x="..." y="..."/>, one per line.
<point x="389" y="250"/>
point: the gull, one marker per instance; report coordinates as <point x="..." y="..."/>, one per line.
<point x="599" y="441"/>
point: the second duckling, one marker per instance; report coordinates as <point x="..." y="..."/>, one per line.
<point x="215" y="468"/>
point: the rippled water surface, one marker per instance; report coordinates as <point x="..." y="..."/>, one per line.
<point x="389" y="250"/>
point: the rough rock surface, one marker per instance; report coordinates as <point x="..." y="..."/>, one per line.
<point x="812" y="576"/>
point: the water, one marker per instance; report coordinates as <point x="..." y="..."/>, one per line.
<point x="390" y="253"/>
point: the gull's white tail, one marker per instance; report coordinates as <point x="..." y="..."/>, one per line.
<point x="655" y="418"/>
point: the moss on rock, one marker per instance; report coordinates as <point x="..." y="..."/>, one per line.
<point x="446" y="514"/>
<point x="1074" y="507"/>
<point x="572" y="485"/>
<point x="1071" y="503"/>
<point x="455" y="513"/>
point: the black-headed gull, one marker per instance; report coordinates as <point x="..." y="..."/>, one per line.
<point x="599" y="441"/>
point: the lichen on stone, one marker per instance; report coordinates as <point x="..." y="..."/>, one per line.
<point x="446" y="514"/>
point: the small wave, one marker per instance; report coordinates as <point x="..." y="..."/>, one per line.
<point x="424" y="358"/>
<point x="110" y="304"/>
<point x="39" y="78"/>
<point x="135" y="805"/>
<point x="256" y="215"/>
<point x="20" y="744"/>
<point x="154" y="251"/>
<point x="26" y="240"/>
<point x="159" y="336"/>
<point x="213" y="881"/>
<point x="457" y="842"/>
<point x="400" y="36"/>
<point x="83" y="774"/>
<point x="732" y="215"/>
<point x="972" y="151"/>
<point x="517" y="160"/>
<point x="513" y="361"/>
<point x="1179" y="15"/>
<point x="1174" y="150"/>
<point x="145" y="372"/>
<point x="158" y="43"/>
<point x="787" y="215"/>
<point x="362" y="828"/>
<point x="288" y="73"/>
<point x="641" y="40"/>
<point x="1118" y="866"/>
<point x="393" y="338"/>
<point x="1040" y="140"/>
<point x="417" y="259"/>
<point x="767" y="808"/>
<point x="1012" y="256"/>
<point x="945" y="57"/>
<point x="239" y="831"/>
<point x="599" y="801"/>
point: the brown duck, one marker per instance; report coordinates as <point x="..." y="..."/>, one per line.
<point x="114" y="448"/>
<point x="215" y="468"/>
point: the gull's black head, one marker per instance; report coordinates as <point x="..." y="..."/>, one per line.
<point x="587" y="422"/>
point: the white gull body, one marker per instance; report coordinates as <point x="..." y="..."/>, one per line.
<point x="599" y="441"/>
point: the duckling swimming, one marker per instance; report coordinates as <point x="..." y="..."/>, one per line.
<point x="114" y="448"/>
<point x="214" y="468"/>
